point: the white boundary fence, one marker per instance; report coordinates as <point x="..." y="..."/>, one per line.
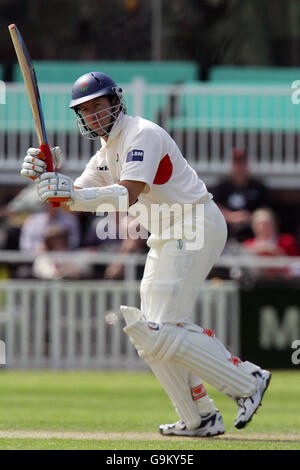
<point x="134" y="260"/>
<point x="77" y="325"/>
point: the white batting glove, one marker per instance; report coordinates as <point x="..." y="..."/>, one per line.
<point x="55" y="186"/>
<point x="33" y="165"/>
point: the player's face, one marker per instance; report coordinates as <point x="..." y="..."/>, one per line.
<point x="97" y="114"/>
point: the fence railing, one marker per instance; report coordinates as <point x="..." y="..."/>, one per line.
<point x="133" y="261"/>
<point x="206" y="120"/>
<point x="67" y="325"/>
<point x="238" y="267"/>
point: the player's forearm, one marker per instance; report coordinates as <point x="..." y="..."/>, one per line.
<point x="111" y="198"/>
<point x="64" y="206"/>
<point x="134" y="189"/>
<point x="103" y="199"/>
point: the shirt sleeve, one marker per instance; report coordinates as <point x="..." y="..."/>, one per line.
<point x="142" y="157"/>
<point x="91" y="176"/>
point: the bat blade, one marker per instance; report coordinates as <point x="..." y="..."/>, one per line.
<point x="33" y="94"/>
<point x="31" y="85"/>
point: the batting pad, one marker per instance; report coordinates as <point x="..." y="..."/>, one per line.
<point x="198" y="352"/>
<point x="131" y="314"/>
<point x="173" y="379"/>
<point x="175" y="382"/>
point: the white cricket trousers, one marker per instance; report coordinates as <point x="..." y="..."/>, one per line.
<point x="173" y="273"/>
<point x="169" y="288"/>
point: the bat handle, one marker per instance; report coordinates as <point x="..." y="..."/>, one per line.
<point x="45" y="149"/>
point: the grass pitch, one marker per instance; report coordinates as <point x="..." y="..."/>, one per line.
<point x="122" y="411"/>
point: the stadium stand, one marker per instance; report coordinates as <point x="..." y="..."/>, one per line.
<point x="57" y="114"/>
<point x="206" y="118"/>
<point x="232" y="108"/>
<point x="254" y="75"/>
<point x="123" y="72"/>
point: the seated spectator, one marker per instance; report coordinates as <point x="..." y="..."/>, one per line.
<point x="26" y="201"/>
<point x="128" y="245"/>
<point x="35" y="226"/>
<point x="267" y="241"/>
<point x="103" y="232"/>
<point x="45" y="266"/>
<point x="112" y="234"/>
<point x="13" y="214"/>
<point x="238" y="196"/>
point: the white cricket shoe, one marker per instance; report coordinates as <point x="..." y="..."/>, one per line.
<point x="248" y="406"/>
<point x="211" y="425"/>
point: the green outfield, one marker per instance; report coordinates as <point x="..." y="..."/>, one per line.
<point x="122" y="410"/>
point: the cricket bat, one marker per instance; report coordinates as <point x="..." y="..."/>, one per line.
<point x="33" y="94"/>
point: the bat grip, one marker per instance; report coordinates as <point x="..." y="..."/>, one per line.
<point x="45" y="149"/>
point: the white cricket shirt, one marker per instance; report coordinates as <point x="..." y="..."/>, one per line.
<point x="140" y="150"/>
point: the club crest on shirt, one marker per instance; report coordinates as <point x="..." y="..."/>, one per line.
<point x="135" y="156"/>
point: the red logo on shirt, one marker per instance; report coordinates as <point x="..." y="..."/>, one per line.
<point x="164" y="171"/>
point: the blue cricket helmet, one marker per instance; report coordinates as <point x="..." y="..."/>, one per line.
<point x="88" y="87"/>
<point x="92" y="85"/>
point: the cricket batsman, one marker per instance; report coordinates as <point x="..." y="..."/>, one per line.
<point x="140" y="169"/>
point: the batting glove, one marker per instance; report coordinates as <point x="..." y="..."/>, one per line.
<point x="33" y="165"/>
<point x="55" y="186"/>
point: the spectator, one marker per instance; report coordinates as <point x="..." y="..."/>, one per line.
<point x="238" y="196"/>
<point x="128" y="245"/>
<point x="26" y="201"/>
<point x="267" y="241"/>
<point x="104" y="232"/>
<point x="13" y="214"/>
<point x="112" y="234"/>
<point x="35" y="226"/>
<point x="45" y="266"/>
